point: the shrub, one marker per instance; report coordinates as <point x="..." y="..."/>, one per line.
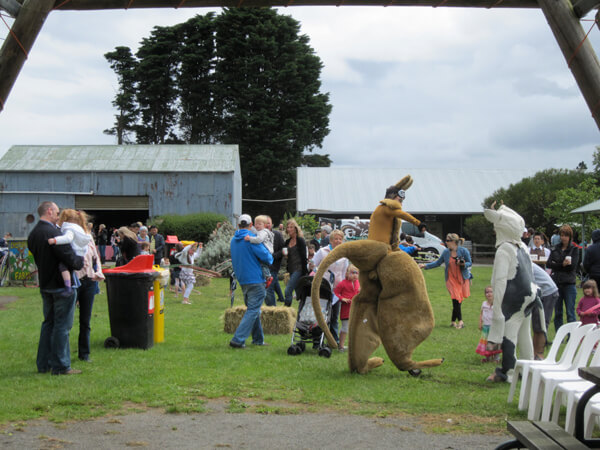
<point x="190" y="227"/>
<point x="307" y="222"/>
<point x="217" y="250"/>
<point x="480" y="230"/>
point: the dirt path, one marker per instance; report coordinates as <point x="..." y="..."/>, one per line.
<point x="4" y="300"/>
<point x="217" y="428"/>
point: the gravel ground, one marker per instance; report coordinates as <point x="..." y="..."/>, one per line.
<point x="217" y="428"/>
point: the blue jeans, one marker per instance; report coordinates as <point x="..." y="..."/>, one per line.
<point x="275" y="288"/>
<point x="85" y="297"/>
<point x="567" y="294"/>
<point x="334" y="324"/>
<point x="102" y="251"/>
<point x="291" y="285"/>
<point x="54" y="352"/>
<point x="254" y="294"/>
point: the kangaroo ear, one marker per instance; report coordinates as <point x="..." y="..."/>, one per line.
<point x="405" y="182"/>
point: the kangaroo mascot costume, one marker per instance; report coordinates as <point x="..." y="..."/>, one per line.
<point x="515" y="293"/>
<point x="392" y="307"/>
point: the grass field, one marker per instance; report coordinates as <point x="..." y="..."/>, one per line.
<point x="195" y="364"/>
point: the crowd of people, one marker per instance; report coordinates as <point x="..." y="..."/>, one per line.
<point x="69" y="256"/>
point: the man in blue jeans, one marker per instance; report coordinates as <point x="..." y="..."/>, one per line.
<point x="246" y="258"/>
<point x="58" y="302"/>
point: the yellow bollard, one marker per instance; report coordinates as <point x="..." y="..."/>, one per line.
<point x="159" y="299"/>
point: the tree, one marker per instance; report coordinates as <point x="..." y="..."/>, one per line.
<point x="245" y="77"/>
<point x="267" y="77"/>
<point x="316" y="160"/>
<point x="124" y="64"/>
<point x="198" y="121"/>
<point x="156" y="89"/>
<point x="480" y="230"/>
<point x="531" y="196"/>
<point x="571" y="198"/>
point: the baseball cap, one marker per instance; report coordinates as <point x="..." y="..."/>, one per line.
<point x="245" y="220"/>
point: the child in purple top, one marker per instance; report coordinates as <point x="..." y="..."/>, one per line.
<point x="586" y="308"/>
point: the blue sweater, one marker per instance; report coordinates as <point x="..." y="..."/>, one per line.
<point x="246" y="258"/>
<point x="461" y="252"/>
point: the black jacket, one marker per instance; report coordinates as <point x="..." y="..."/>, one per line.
<point x="48" y="256"/>
<point x="563" y="274"/>
<point x="301" y="246"/>
<point x="278" y="244"/>
<point x="591" y="260"/>
<point x="159" y="246"/>
<point x="129" y="250"/>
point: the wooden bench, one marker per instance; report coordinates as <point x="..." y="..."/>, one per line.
<point x="540" y="435"/>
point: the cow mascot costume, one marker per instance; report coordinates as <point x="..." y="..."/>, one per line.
<point x="515" y="293"/>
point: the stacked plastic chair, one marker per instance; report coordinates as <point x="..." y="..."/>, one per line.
<point x="523" y="366"/>
<point x="543" y="380"/>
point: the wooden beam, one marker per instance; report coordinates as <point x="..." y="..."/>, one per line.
<point x="19" y="41"/>
<point x="577" y="50"/>
<point x="131" y="4"/>
<point x="10" y="6"/>
<point x="583" y="7"/>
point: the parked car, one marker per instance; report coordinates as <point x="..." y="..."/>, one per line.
<point x="431" y="245"/>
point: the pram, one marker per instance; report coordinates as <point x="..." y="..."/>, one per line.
<point x="307" y="330"/>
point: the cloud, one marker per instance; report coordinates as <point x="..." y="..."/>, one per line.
<point x="418" y="87"/>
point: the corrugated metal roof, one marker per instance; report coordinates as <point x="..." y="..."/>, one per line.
<point x="434" y="191"/>
<point x="121" y="158"/>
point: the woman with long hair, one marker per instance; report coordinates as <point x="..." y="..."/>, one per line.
<point x="457" y="260"/>
<point x="297" y="258"/>
<point x="128" y="246"/>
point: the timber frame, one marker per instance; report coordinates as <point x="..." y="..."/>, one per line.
<point x="563" y="16"/>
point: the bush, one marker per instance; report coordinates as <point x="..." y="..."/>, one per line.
<point x="217" y="250"/>
<point x="307" y="222"/>
<point x="480" y="230"/>
<point x="190" y="227"/>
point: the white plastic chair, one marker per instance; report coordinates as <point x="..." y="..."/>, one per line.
<point x="591" y="414"/>
<point x="571" y="393"/>
<point x="553" y="379"/>
<point x="580" y="360"/>
<point x="565" y="396"/>
<point x="523" y="366"/>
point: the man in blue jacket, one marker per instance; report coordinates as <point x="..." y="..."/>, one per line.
<point x="246" y="258"/>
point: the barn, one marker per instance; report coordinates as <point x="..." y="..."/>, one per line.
<point x="442" y="198"/>
<point x="118" y="184"/>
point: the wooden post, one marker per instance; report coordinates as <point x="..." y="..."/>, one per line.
<point x="577" y="50"/>
<point x="10" y="6"/>
<point x="19" y="41"/>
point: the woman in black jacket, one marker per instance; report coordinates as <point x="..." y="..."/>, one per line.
<point x="563" y="261"/>
<point x="591" y="260"/>
<point x="128" y="246"/>
<point x="297" y="258"/>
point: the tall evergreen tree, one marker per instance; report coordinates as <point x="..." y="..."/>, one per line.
<point x="156" y="88"/>
<point x="199" y="121"/>
<point x="245" y="77"/>
<point x="267" y="78"/>
<point x="124" y="64"/>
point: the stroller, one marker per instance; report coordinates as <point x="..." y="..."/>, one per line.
<point x="307" y="330"/>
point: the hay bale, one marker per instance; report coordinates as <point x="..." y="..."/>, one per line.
<point x="274" y="319"/>
<point x="278" y="319"/>
<point x="233" y="317"/>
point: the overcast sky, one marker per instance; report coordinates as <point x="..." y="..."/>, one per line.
<point x="410" y="87"/>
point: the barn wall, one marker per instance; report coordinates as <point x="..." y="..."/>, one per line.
<point x="169" y="193"/>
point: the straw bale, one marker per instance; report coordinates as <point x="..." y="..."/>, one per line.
<point x="274" y="319"/>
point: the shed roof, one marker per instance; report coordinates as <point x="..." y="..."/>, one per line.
<point x="121" y="158"/>
<point x="435" y="191"/>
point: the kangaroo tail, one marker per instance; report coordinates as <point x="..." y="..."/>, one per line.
<point x="364" y="254"/>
